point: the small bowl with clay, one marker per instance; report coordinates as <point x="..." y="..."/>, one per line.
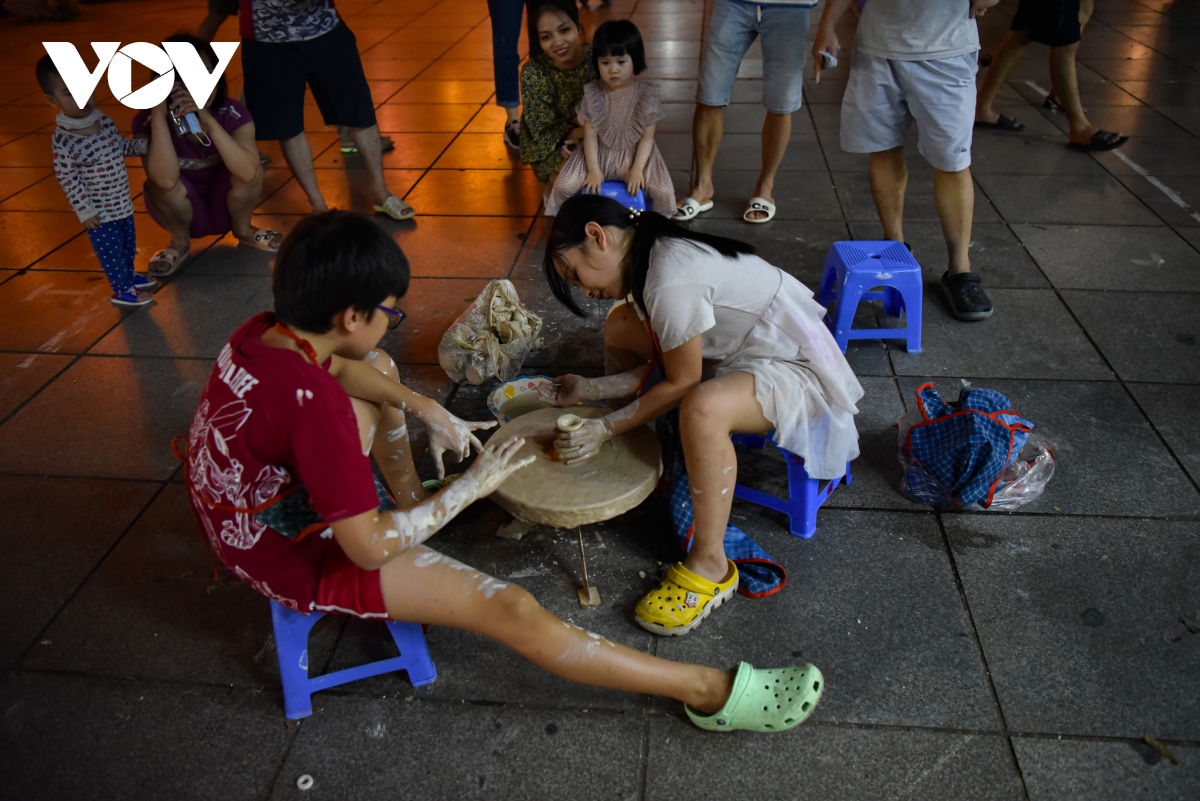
<point x="517" y="397"/>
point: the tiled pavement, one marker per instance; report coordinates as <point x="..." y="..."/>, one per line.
<point x="982" y="656"/>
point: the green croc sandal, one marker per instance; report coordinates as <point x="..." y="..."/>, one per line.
<point x="766" y="700"/>
<point x="435" y="484"/>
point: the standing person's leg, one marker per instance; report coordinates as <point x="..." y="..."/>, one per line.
<point x="298" y="156"/>
<point x="115" y="244"/>
<point x="954" y="198"/>
<point x="874" y="120"/>
<point x="506" y="31"/>
<point x="941" y="97"/>
<point x="888" y="173"/>
<point x="339" y="85"/>
<point x="274" y="77"/>
<point x="731" y="31"/>
<point x="1066" y="83"/>
<point x="1004" y="62"/>
<point x="783" y="92"/>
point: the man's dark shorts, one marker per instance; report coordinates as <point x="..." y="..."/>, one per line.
<point x="228" y="8"/>
<point x="275" y="75"/>
<point x="1050" y="22"/>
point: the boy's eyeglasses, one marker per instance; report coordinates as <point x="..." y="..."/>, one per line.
<point x="395" y="316"/>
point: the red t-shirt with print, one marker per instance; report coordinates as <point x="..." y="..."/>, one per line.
<point x="268" y="419"/>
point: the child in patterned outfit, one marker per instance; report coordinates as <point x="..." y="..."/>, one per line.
<point x="618" y="113"/>
<point x="89" y="155"/>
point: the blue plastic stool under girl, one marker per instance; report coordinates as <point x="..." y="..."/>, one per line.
<point x="291" y="642"/>
<point x="805" y="495"/>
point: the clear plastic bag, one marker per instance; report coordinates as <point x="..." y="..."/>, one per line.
<point x="1022" y="481"/>
<point x="492" y="337"/>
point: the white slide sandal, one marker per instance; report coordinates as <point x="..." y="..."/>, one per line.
<point x="690" y="207"/>
<point x="759" y="204"/>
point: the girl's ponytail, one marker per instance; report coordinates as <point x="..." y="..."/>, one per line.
<point x="567" y="232"/>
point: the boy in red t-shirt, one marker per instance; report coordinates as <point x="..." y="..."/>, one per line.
<point x="280" y="479"/>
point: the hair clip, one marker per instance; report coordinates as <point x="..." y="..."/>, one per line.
<point x="634" y="214"/>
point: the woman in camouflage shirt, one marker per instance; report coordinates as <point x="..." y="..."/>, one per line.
<point x="551" y="88"/>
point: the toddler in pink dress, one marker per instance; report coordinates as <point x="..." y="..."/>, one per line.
<point x="618" y="114"/>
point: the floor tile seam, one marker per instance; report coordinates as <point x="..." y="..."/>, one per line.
<point x="83" y="582"/>
<point x="4" y="419"/>
<point x="1115" y="29"/>
<point x="645" y="711"/>
<point x="643" y="776"/>
<point x="1120" y="380"/>
<point x="1114" y="739"/>
<point x="987" y="672"/>
<point x="973" y="377"/>
<point x="1016" y="513"/>
<point x="6" y="198"/>
<point x="416" y="77"/>
<point x="1123" y="291"/>
<point x="1062" y="300"/>
<point x="91" y="355"/>
<point x="1049" y="116"/>
<point x="283" y="758"/>
<point x="525" y="243"/>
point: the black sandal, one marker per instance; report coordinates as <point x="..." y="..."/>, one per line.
<point x="968" y="299"/>
<point x="1004" y="123"/>
<point x="1101" y="141"/>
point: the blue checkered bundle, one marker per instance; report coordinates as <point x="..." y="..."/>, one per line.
<point x="955" y="455"/>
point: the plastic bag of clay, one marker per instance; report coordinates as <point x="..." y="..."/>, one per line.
<point x="491" y="338"/>
<point x="973" y="454"/>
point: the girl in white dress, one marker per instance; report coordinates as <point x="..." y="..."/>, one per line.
<point x="701" y="304"/>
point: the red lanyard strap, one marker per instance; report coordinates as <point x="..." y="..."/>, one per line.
<point x="303" y="343"/>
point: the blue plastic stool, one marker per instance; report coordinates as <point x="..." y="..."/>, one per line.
<point x="805" y="495"/>
<point x="291" y="642"/>
<point x="617" y="191"/>
<point x="852" y="269"/>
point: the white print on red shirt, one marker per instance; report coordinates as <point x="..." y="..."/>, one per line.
<point x="235" y="376"/>
<point x="217" y="477"/>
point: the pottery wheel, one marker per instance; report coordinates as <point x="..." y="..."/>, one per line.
<point x="618" y="478"/>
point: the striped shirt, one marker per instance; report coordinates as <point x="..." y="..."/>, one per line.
<point x="91" y="170"/>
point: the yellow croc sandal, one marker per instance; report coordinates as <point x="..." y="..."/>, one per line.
<point x="682" y="600"/>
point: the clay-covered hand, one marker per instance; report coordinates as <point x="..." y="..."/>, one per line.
<point x="566" y="390"/>
<point x="584" y="442"/>
<point x="449" y="433"/>
<point x="495" y="464"/>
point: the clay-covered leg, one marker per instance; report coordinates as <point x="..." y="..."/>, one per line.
<point x="385" y="434"/>
<point x="708" y="416"/>
<point x="422" y="584"/>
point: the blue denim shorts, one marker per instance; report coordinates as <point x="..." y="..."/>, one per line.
<point x="732" y="28"/>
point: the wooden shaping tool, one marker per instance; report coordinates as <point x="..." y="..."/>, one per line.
<point x="588" y="595"/>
